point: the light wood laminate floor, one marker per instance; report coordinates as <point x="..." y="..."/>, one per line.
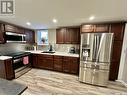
<point x="44" y="82"/>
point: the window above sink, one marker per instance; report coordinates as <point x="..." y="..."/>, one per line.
<point x="42" y="37"/>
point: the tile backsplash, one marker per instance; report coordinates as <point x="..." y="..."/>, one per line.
<point x="11" y="47"/>
<point x="59" y="47"/>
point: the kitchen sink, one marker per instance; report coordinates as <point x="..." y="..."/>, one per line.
<point x="48" y="52"/>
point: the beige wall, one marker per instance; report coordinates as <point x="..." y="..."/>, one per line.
<point x="52" y="36"/>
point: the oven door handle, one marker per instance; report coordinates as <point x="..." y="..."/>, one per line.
<point x="17" y="60"/>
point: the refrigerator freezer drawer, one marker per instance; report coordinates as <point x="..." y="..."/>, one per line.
<point x="93" y="65"/>
<point x="94" y="76"/>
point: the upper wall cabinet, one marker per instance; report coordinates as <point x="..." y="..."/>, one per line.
<point x="2" y="33"/>
<point x="95" y="28"/>
<point x="70" y="35"/>
<point x="60" y="35"/>
<point x="10" y="28"/>
<point x="87" y="28"/>
<point x="118" y="30"/>
<point x="30" y="36"/>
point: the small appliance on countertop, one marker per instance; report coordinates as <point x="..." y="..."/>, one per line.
<point x="72" y="50"/>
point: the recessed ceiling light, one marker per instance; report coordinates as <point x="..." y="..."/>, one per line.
<point x="28" y="23"/>
<point x="54" y="21"/>
<point x="92" y="18"/>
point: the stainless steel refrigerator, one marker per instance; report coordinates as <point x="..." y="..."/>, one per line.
<point x="95" y="54"/>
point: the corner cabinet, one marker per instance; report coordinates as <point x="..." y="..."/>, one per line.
<point x="6" y="69"/>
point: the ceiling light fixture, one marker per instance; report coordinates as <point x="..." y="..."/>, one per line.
<point x="92" y="18"/>
<point x="28" y="23"/>
<point x="54" y="21"/>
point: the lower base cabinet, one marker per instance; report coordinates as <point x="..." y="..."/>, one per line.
<point x="6" y="69"/>
<point x="71" y="65"/>
<point x="56" y="63"/>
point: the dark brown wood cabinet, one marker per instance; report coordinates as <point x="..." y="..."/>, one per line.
<point x="71" y="65"/>
<point x="101" y="28"/>
<point x="69" y="35"/>
<point x="74" y="35"/>
<point x="10" y="28"/>
<point x="58" y="63"/>
<point x="87" y="28"/>
<point x="30" y="36"/>
<point x="118" y="30"/>
<point x="66" y="64"/>
<point x="34" y="60"/>
<point x="95" y="28"/>
<point x="60" y="35"/>
<point x="6" y="69"/>
<point x="45" y="61"/>
<point x="2" y="39"/>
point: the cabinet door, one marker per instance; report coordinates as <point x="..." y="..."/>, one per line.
<point x="20" y="30"/>
<point x="113" y="73"/>
<point x="67" y="36"/>
<point x="34" y="60"/>
<point x="2" y="40"/>
<point x="87" y="28"/>
<point x="10" y="28"/>
<point x="45" y="61"/>
<point x="66" y="64"/>
<point x="58" y="62"/>
<point x="115" y="60"/>
<point x="101" y="28"/>
<point x="75" y="35"/>
<point x="9" y="69"/>
<point x="30" y="36"/>
<point x="60" y="35"/>
<point x="74" y="65"/>
<point x="118" y="30"/>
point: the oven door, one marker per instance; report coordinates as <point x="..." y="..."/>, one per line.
<point x="21" y="65"/>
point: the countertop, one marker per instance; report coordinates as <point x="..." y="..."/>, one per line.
<point x="11" y="88"/>
<point x="56" y="53"/>
<point x="5" y="57"/>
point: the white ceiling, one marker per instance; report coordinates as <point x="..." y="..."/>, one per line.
<point x="68" y="12"/>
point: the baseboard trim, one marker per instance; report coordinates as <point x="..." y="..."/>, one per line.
<point x="124" y="83"/>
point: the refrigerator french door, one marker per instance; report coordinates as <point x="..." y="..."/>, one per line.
<point x="95" y="54"/>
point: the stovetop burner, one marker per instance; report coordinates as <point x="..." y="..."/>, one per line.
<point x="18" y="54"/>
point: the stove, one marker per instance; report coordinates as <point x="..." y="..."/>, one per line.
<point x="21" y="62"/>
<point x="18" y="54"/>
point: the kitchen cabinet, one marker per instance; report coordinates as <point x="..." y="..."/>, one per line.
<point x="71" y="65"/>
<point x="58" y="63"/>
<point x="10" y="28"/>
<point x="30" y="36"/>
<point x="95" y="28"/>
<point x="34" y="60"/>
<point x="66" y="64"/>
<point x="68" y="35"/>
<point x="2" y="39"/>
<point x="118" y="30"/>
<point x="87" y="28"/>
<point x="74" y="35"/>
<point x="6" y="69"/>
<point x="45" y="61"/>
<point x="60" y="35"/>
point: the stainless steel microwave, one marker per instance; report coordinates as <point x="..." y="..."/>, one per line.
<point x="15" y="37"/>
